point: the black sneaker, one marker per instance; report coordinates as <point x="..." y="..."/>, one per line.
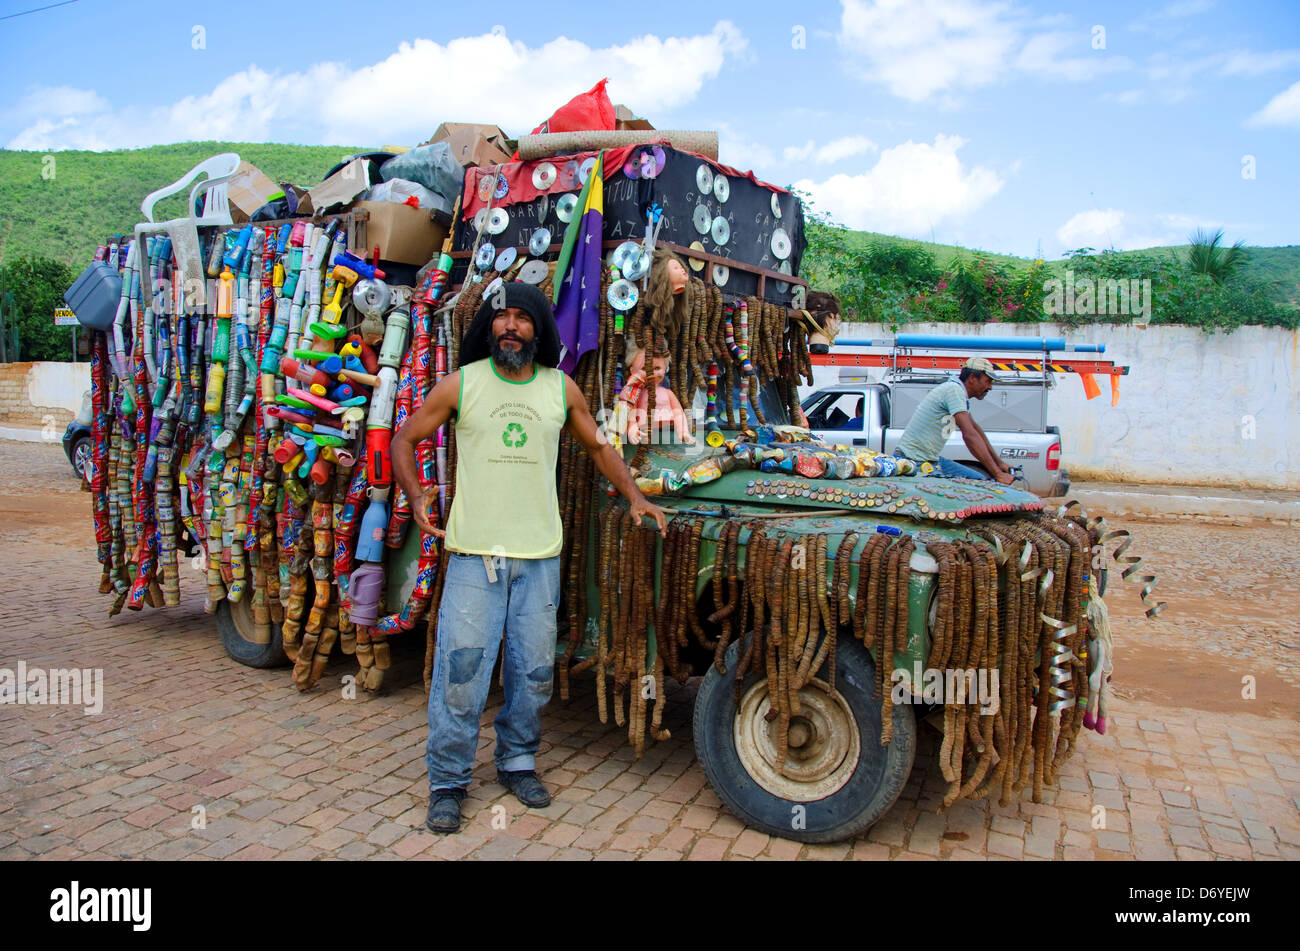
<point x="527" y="788"/>
<point x="444" y="810"/>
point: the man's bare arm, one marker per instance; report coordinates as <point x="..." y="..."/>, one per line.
<point x="583" y="428"/>
<point x="992" y="452"/>
<point x="979" y="446"/>
<point x="439" y="405"/>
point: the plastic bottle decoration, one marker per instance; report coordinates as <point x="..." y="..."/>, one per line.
<point x="417" y="603"/>
<point x="713" y="435"/>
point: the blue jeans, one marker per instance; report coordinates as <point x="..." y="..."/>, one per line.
<point x="471" y="617"/>
<point x="954" y="470"/>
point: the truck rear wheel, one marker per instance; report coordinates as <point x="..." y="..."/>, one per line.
<point x="837" y="780"/>
<point x="239" y="636"/>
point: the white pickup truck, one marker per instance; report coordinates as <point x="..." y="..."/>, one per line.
<point x="1013" y="415"/>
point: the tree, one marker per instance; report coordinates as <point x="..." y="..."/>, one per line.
<point x="1207" y="256"/>
<point x="37" y="285"/>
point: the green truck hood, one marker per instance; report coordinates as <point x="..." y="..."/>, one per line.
<point x="944" y="502"/>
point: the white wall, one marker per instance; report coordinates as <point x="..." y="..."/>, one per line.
<point x="1184" y="410"/>
<point x="58" y="385"/>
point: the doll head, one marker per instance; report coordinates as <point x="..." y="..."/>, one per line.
<point x="824" y="309"/>
<point x="668" y="297"/>
<point x="659" y="362"/>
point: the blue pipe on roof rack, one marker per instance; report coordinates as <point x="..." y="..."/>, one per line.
<point x="947" y="342"/>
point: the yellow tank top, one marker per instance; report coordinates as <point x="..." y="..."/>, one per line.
<point x="507" y="444"/>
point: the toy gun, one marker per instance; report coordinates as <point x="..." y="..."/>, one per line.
<point x="358" y="264"/>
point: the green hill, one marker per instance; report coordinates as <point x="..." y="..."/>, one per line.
<point x="85" y="197"/>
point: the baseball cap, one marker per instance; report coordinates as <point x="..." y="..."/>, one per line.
<point x="978" y="363"/>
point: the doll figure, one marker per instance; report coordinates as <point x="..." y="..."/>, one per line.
<point x="634" y="401"/>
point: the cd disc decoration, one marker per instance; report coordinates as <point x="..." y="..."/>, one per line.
<point x="565" y="206"/>
<point x="498" y="220"/>
<point x="544" y="176"/>
<point x="539" y="241"/>
<point x="622" y="295"/>
<point x="721" y="230"/>
<point x="704" y="179"/>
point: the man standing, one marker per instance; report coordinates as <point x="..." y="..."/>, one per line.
<point x="948" y="406"/>
<point x="503" y="538"/>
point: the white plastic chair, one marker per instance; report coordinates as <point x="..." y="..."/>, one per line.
<point x="216" y="207"/>
<point x="184" y="231"/>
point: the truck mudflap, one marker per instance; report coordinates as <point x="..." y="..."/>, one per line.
<point x="1061" y="488"/>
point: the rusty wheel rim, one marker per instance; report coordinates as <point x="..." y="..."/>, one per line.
<point x="824" y="743"/>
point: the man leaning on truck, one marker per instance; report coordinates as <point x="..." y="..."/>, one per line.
<point x="948" y="406"/>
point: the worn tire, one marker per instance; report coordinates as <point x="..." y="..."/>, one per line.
<point x="231" y="619"/>
<point x="876" y="780"/>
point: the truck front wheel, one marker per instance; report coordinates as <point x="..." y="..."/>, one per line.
<point x="240" y="639"/>
<point x="837" y="779"/>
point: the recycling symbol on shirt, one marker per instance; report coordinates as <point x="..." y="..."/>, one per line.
<point x="514" y="436"/>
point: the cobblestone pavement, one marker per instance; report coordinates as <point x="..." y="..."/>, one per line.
<point x="1188" y="770"/>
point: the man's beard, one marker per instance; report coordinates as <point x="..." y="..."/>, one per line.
<point x="514" y="360"/>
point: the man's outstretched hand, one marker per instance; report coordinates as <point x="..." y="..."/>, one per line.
<point x="641" y="509"/>
<point x="420" y="512"/>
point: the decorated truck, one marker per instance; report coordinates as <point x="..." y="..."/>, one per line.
<point x="247" y="379"/>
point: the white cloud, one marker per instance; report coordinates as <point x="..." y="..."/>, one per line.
<point x="924" y="48"/>
<point x="839" y="149"/>
<point x="1185" y="8"/>
<point x="740" y="151"/>
<point x="1091" y="229"/>
<point x="1048" y="55"/>
<point x="912" y="188"/>
<point x="1123" y="231"/>
<point x="834" y="151"/>
<point x="918" y="49"/>
<point x="1172" y="72"/>
<point x="1250" y="63"/>
<point x="799" y="153"/>
<point x="1165" y="21"/>
<point x="401" y="98"/>
<point x="50" y="101"/>
<point x="1283" y="109"/>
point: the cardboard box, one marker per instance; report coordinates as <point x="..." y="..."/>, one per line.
<point x="404" y="234"/>
<point x="248" y="190"/>
<point x="626" y="120"/>
<point x="475" y="144"/>
<point x="339" y="189"/>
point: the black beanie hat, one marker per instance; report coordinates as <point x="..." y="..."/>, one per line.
<point x="477" y="343"/>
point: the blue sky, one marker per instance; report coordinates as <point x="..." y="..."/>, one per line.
<point x="1008" y="126"/>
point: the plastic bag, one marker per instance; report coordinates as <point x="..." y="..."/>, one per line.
<point x="590" y="110"/>
<point x="400" y="191"/>
<point x="431" y="166"/>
